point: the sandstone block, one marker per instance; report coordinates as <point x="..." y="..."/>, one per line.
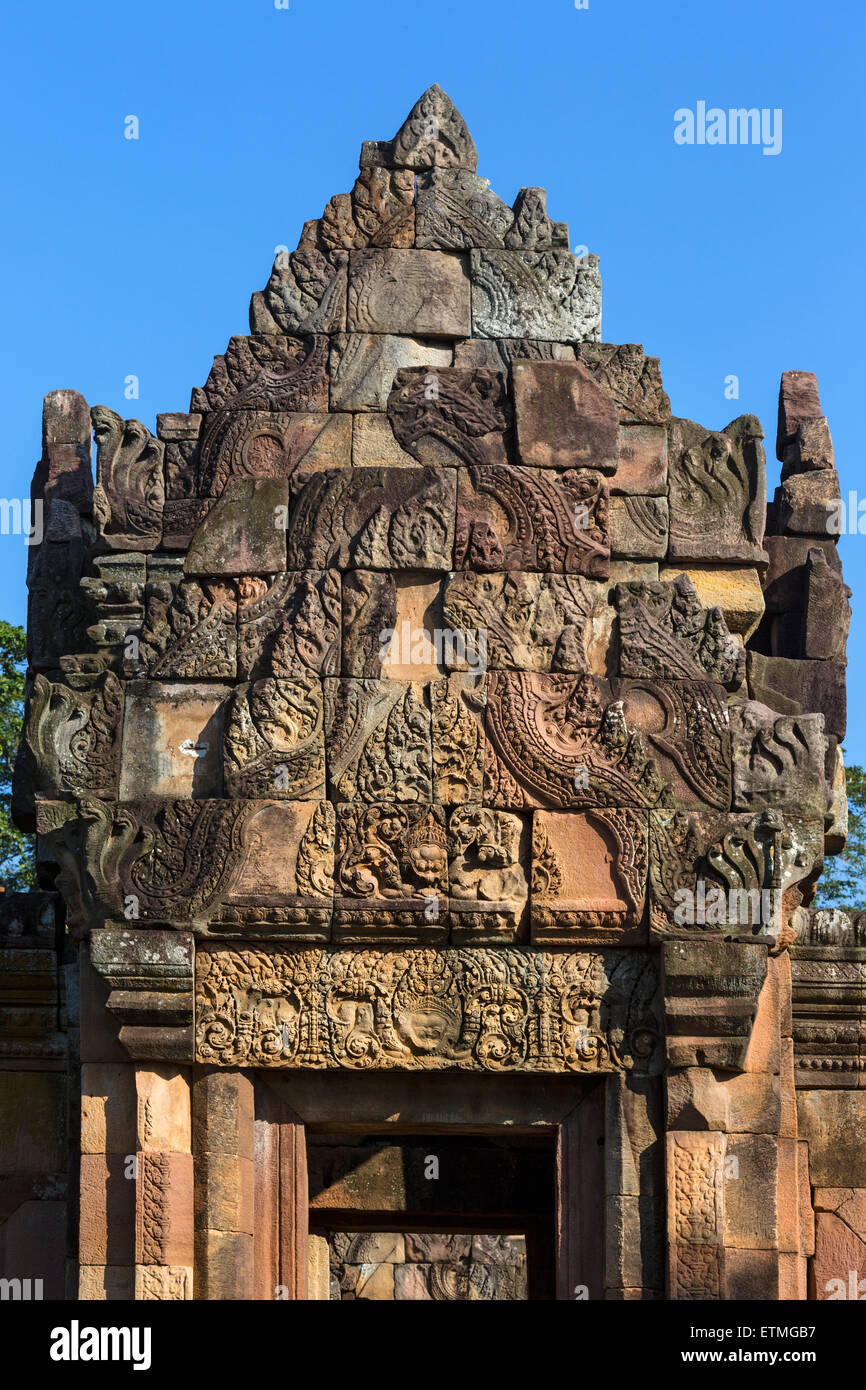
<point x="563" y="418"/>
<point x="535" y="294"/>
<point x="363" y="367"/>
<point x="173" y="740"/>
<point x="414" y="293"/>
<point x="245" y="533"/>
<point x="383" y="518"/>
<point x="374" y="445"/>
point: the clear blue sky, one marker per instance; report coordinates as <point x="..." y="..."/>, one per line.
<point x="138" y="257"/>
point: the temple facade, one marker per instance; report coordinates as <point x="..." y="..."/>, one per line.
<point x="433" y="745"/>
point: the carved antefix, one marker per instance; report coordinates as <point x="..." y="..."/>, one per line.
<point x="130" y="488"/>
<point x="71" y="741"/>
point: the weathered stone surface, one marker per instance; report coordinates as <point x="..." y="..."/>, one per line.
<point x="535" y="294"/>
<point x="512" y="518"/>
<point x="588" y="875"/>
<point x="498" y="354"/>
<point x="378" y="740"/>
<point x="642" y="468"/>
<point x="172" y="740"/>
<point x="391" y="872"/>
<point x="274" y="740"/>
<point x="839" y="1268"/>
<point x="380" y="211"/>
<point x="428" y="1017"/>
<point x="717" y="491"/>
<point x="433" y="136"/>
<point x="392" y="626"/>
<point x="828" y="612"/>
<point x="633" y="380"/>
<point x="562" y="417"/>
<point x="130" y="487"/>
<point x="70" y="742"/>
<point x="289" y="624"/>
<point x="245" y="533"/>
<point x="778" y="760"/>
<point x="787" y="584"/>
<point x="242" y="444"/>
<point x="188" y="632"/>
<point x="63" y="478"/>
<point x="374" y="445"/>
<point x="812" y="449"/>
<point x="553" y="741"/>
<point x="665" y="632"/>
<point x="792" y="687"/>
<point x="799" y="404"/>
<point x="736" y="590"/>
<point x="384" y="518"/>
<point x="416" y="293"/>
<point x="456" y="211"/>
<point x="363" y="367"/>
<point x="305" y="294"/>
<point x="684" y="726"/>
<point x="487" y="885"/>
<point x="639" y="527"/>
<point x="808" y="504"/>
<point x="832" y="1125"/>
<point x="836" y="834"/>
<point x="451" y="416"/>
<point x="524" y="621"/>
<point x="457" y="706"/>
<point x="267" y="372"/>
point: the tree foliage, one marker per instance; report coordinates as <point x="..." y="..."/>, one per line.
<point x="17" y="851"/>
<point x="843" y="882"/>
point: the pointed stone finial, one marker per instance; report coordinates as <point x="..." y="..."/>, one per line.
<point x="433" y="136"/>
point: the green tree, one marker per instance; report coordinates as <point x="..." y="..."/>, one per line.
<point x="843" y="882"/>
<point x="17" y="851"/>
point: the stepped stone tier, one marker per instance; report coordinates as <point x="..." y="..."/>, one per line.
<point x="433" y="745"/>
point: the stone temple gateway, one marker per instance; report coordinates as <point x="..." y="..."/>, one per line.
<point x="433" y="745"/>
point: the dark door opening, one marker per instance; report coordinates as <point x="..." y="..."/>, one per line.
<point x="448" y="1218"/>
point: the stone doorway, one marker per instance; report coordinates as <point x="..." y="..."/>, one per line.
<point x="341" y="1156"/>
<point x="433" y="1216"/>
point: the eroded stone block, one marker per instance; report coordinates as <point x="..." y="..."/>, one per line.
<point x="486" y="880"/>
<point x="415" y="293"/>
<point x="391" y="872"/>
<point x="528" y="622"/>
<point x="274" y="740"/>
<point x="535" y="294"/>
<point x="383" y="518"/>
<point x="363" y="367"/>
<point x="378" y="741"/>
<point x="173" y="740"/>
<point x="511" y="518"/>
<point x="289" y="624"/>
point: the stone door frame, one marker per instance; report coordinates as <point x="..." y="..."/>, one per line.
<point x="252" y="1202"/>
